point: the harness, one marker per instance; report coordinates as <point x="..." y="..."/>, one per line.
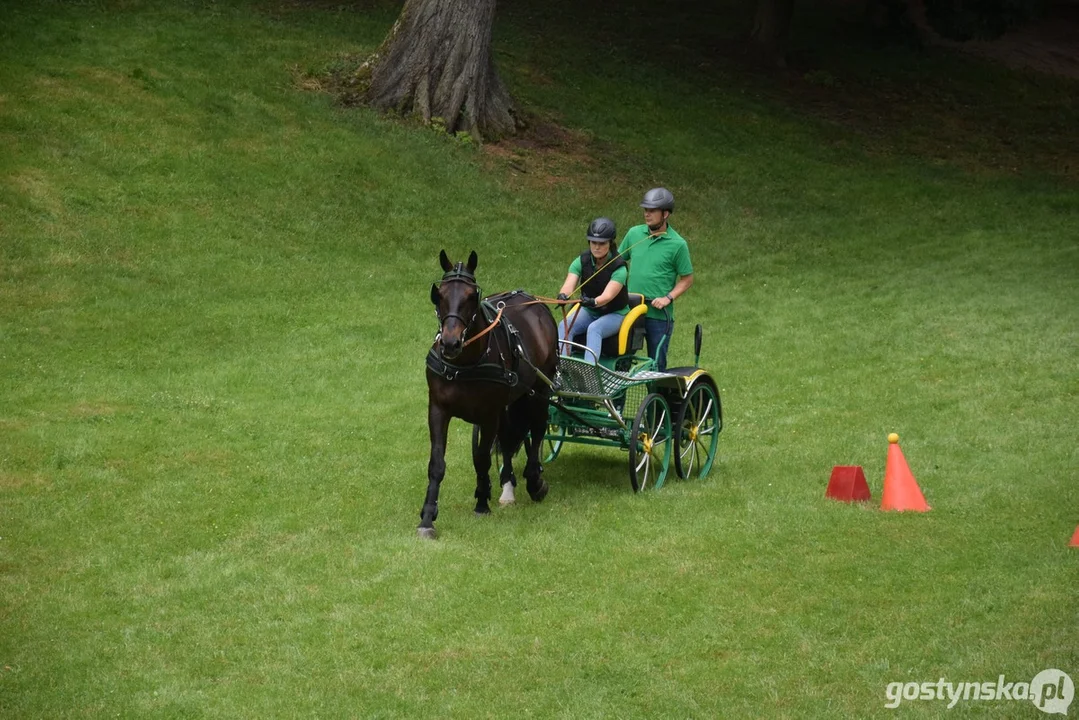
<point x="486" y="371"/>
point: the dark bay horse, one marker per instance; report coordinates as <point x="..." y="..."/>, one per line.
<point x="491" y="369"/>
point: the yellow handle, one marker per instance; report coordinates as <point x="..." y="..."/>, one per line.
<point x="627" y="326"/>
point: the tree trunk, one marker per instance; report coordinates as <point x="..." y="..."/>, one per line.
<point x="902" y="19"/>
<point x="771" y="28"/>
<point x="916" y="16"/>
<point x="436" y="61"/>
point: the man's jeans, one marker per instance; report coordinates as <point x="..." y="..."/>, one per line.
<point x="654" y="330"/>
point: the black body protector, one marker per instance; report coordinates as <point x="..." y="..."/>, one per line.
<point x="596" y="283"/>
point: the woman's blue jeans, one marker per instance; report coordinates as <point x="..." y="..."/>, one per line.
<point x="593" y="326"/>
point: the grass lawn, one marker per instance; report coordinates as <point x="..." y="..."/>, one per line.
<point x="214" y="308"/>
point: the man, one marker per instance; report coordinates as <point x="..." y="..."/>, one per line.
<point x="660" y="268"/>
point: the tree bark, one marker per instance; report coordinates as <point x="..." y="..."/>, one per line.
<point x="902" y="19"/>
<point x="436" y="61"/>
<point x="916" y="16"/>
<point x="771" y="28"/>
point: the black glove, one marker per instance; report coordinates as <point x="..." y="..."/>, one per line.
<point x="563" y="296"/>
<point x="588" y="302"/>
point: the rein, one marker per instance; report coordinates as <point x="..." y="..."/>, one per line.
<point x="493" y="372"/>
<point x="487" y="329"/>
<point x="460" y="274"/>
<point x="552" y="301"/>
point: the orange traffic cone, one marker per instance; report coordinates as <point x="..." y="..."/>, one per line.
<point x="1075" y="539"/>
<point x="901" y="492"/>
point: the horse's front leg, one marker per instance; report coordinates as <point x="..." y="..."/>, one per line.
<point x="438" y="422"/>
<point x="537" y="426"/>
<point x="481" y="460"/>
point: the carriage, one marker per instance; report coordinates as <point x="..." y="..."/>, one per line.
<point x="623" y="401"/>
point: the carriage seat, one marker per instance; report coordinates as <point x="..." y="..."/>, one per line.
<point x="630" y="337"/>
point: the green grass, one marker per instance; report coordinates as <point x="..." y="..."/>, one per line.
<point x="214" y="309"/>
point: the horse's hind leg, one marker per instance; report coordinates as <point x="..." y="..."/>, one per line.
<point x="537" y="426"/>
<point x="481" y="460"/>
<point x="510" y="434"/>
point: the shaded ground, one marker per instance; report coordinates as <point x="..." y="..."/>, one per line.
<point x="545" y="153"/>
<point x="884" y="100"/>
<point x="1022" y="120"/>
<point x="1049" y="45"/>
<point x="889" y="100"/>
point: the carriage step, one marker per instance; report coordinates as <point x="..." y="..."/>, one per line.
<point x="606" y="433"/>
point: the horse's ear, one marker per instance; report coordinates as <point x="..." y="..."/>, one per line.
<point x="434" y="294"/>
<point x="446" y="264"/>
<point x="472" y="260"/>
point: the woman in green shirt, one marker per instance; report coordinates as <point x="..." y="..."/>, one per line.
<point x="601" y="275"/>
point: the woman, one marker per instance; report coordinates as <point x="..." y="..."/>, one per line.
<point x="602" y="275"/>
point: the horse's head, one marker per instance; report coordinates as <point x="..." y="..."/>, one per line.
<point x="457" y="302"/>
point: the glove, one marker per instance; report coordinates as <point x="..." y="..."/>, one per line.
<point x="563" y="296"/>
<point x="588" y="302"/>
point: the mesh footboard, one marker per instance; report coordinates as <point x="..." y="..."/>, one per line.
<point x="579" y="378"/>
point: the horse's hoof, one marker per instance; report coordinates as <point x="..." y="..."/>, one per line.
<point x="481" y="511"/>
<point x="426" y="533"/>
<point x="508" y="498"/>
<point x="539" y="494"/>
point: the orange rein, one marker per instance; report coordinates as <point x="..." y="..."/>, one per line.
<point x="486" y="330"/>
<point x="498" y="317"/>
<point x="539" y="300"/>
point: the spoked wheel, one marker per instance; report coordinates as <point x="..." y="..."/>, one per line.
<point x="699" y="422"/>
<point x="552" y="444"/>
<point x="650" y="444"/>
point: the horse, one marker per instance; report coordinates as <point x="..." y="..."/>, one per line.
<point x="491" y="364"/>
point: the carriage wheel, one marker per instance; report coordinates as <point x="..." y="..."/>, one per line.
<point x="650" y="444"/>
<point x="698" y="432"/>
<point x="552" y="444"/>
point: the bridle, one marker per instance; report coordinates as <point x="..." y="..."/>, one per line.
<point x="459" y="274"/>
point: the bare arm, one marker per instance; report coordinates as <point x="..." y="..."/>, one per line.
<point x="683" y="284"/>
<point x="570" y="284"/>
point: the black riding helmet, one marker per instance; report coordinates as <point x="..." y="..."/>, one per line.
<point x="658" y="199"/>
<point x="602" y="230"/>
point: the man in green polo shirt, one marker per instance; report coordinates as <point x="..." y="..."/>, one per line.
<point x="659" y="268"/>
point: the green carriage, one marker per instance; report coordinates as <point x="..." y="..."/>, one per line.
<point x="623" y="401"/>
